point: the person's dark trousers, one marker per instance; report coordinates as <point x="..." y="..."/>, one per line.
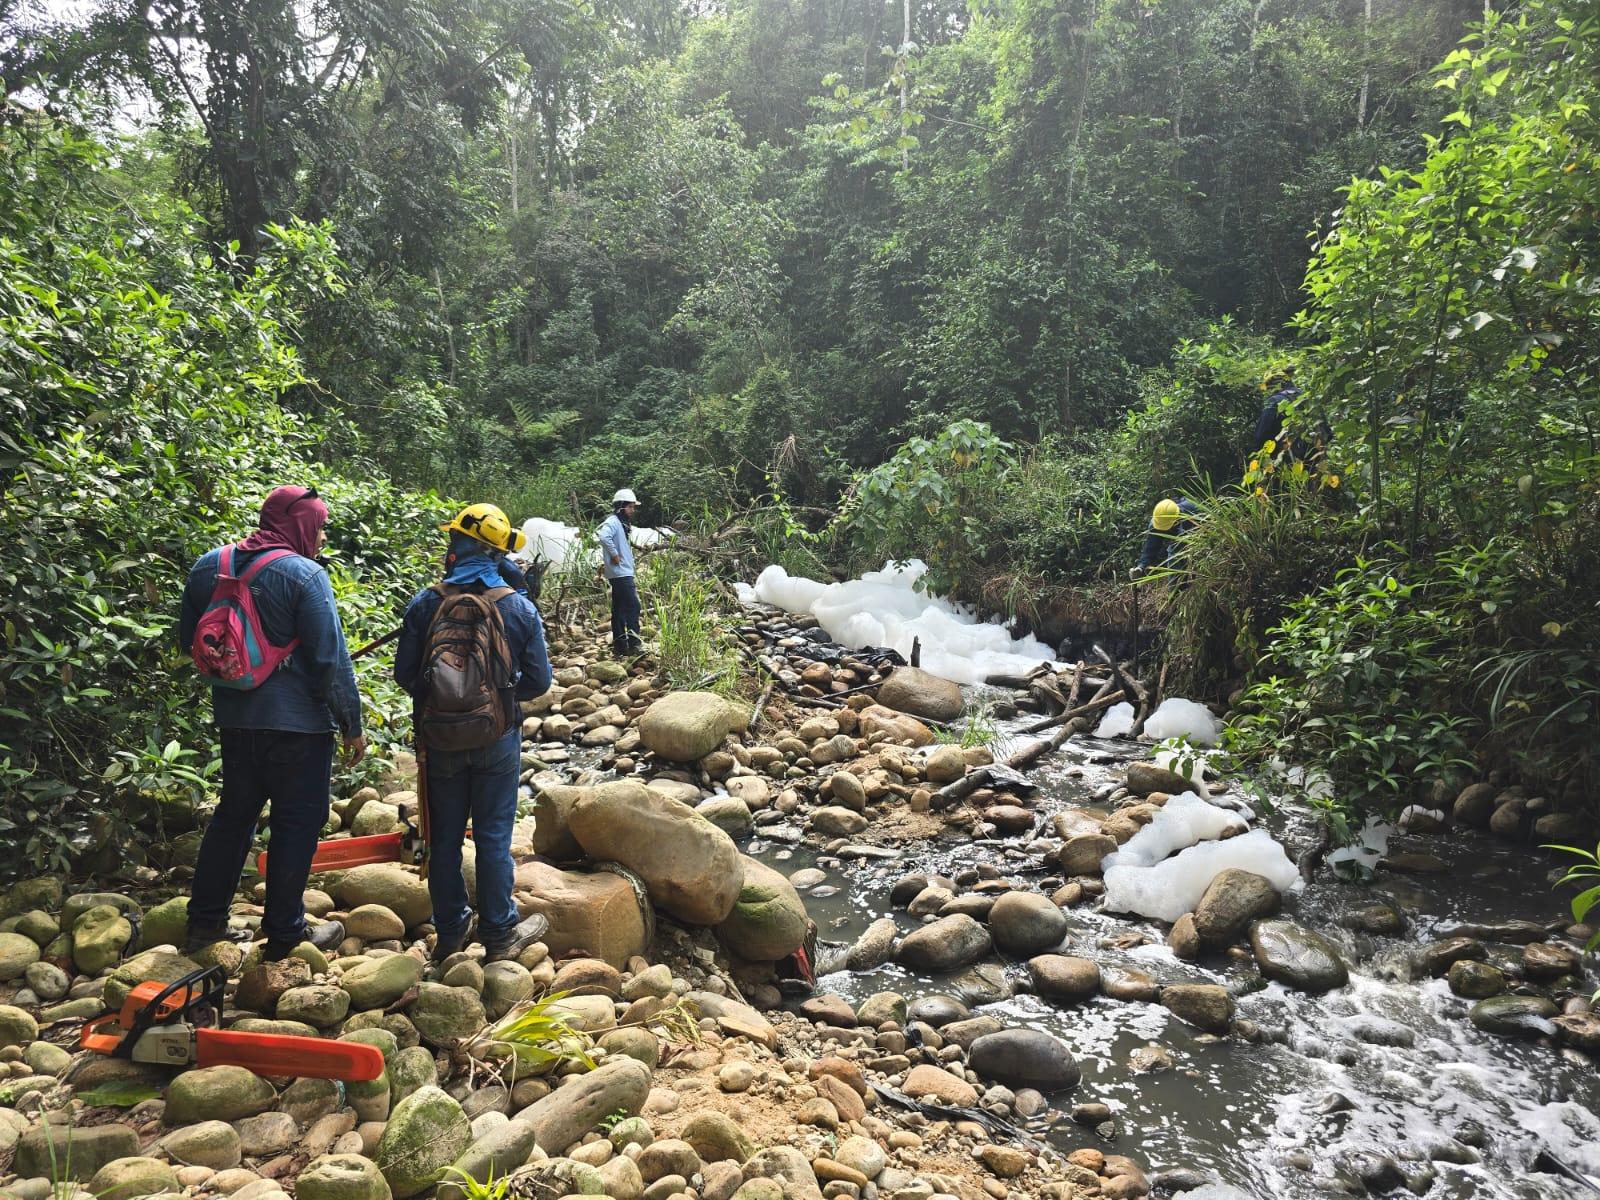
<point x="292" y="771"/>
<point x="482" y="785"/>
<point x="626" y="637"/>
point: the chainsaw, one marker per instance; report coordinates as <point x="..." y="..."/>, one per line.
<point x="173" y="1025"/>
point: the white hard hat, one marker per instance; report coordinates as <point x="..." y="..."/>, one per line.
<point x="625" y="496"/>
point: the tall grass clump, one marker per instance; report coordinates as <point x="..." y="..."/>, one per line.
<point x="694" y="647"/>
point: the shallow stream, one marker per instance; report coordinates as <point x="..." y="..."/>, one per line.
<point x="1383" y="1079"/>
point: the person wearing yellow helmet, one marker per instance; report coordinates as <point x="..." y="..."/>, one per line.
<point x="468" y="637"/>
<point x="1169" y="520"/>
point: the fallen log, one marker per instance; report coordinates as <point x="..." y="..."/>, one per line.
<point x="1104" y="698"/>
<point x="960" y="789"/>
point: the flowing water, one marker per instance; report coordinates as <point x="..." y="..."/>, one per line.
<point x="1385" y="1068"/>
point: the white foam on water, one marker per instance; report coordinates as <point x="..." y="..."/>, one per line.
<point x="1216" y="1191"/>
<point x="559" y="543"/>
<point x="1118" y="721"/>
<point x="883" y="608"/>
<point x="1171" y="888"/>
<point x="1369" y="846"/>
<point x="1183" y="821"/>
<point x="1176" y="717"/>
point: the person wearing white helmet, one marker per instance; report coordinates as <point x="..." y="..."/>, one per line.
<point x="616" y="567"/>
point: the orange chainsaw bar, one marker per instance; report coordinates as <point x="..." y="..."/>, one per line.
<point x="340" y="854"/>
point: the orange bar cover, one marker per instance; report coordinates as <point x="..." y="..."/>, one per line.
<point x="289" y="1056"/>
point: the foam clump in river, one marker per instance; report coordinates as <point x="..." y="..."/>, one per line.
<point x="560" y="545"/>
<point x="1118" y="721"/>
<point x="1142" y="878"/>
<point x="884" y="608"/>
<point x="1176" y="717"/>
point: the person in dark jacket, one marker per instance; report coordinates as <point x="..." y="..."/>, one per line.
<point x="1269" y="425"/>
<point x="277" y="739"/>
<point x="1170" y="520"/>
<point x="480" y="785"/>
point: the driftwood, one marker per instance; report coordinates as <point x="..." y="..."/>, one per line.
<point x="1104" y="698"/>
<point x="761" y="703"/>
<point x="952" y="793"/>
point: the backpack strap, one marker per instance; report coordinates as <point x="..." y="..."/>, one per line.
<point x="265" y="559"/>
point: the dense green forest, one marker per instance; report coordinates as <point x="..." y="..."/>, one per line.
<point x="978" y="282"/>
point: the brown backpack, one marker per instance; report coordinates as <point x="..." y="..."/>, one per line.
<point x="467" y="669"/>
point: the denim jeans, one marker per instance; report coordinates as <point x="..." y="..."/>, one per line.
<point x="481" y="785"/>
<point x="292" y="771"/>
<point x="625" y="635"/>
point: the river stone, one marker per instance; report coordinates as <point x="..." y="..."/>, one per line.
<point x="937" y="1010"/>
<point x="266" y="1134"/>
<point x="835" y="820"/>
<point x="727" y="813"/>
<point x="166" y="923"/>
<point x="901" y="728"/>
<point x="874" y="947"/>
<point x="668" y="1156"/>
<point x="1147" y="777"/>
<point x="599" y="914"/>
<point x="42" y="891"/>
<point x="922" y="694"/>
<point x="785" y="1166"/>
<point x="1580" y="1031"/>
<point x="1026" y="923"/>
<point x="343" y="1177"/>
<point x="690" y="867"/>
<point x="1064" y="978"/>
<point x="945" y="945"/>
<point x="426" y="1132"/>
<point x="379" y="982"/>
<point x="1297" y="957"/>
<point x="17" y="1026"/>
<point x="47" y="981"/>
<point x="1025" y="1058"/>
<point x="944" y="764"/>
<point x="552" y="835"/>
<point x="446" y="1015"/>
<point x="1437" y="957"/>
<point x="769" y="920"/>
<point x="715" y="1137"/>
<point x="493" y="1156"/>
<point x="99" y="938"/>
<point x="124" y="1178"/>
<point x="1474" y="805"/>
<point x="46" y="1058"/>
<point x="389" y="885"/>
<point x="686" y="726"/>
<point x="862" y="1154"/>
<point x="1514" y="1016"/>
<point x="61" y="1151"/>
<point x="213" y="1144"/>
<point x="505" y="985"/>
<point x="374" y="923"/>
<point x="935" y="1083"/>
<point x="263" y="985"/>
<point x="411" y="1070"/>
<point x="1475" y="980"/>
<point x="216" y="1093"/>
<point x="1547" y="960"/>
<point x="1083" y="853"/>
<point x="848" y="791"/>
<point x="1206" y="1006"/>
<point x="17" y="953"/>
<point x="572" y="1110"/>
<point x="78" y="904"/>
<point x="1231" y="901"/>
<point x="634" y="1043"/>
<point x="320" y="1004"/>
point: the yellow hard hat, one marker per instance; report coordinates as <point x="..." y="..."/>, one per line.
<point x="1165" y="515"/>
<point x="486" y="523"/>
<point x="1276" y="377"/>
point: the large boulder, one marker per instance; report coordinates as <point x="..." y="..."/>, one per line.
<point x="1024" y="1058"/>
<point x="572" y="1110"/>
<point x="99" y="938"/>
<point x="125" y="1178"/>
<point x="388" y="884"/>
<point x="1026" y="923"/>
<point x="552" y="836"/>
<point x="788" y="1168"/>
<point x="1297" y="957"/>
<point x="686" y="726"/>
<point x="945" y="945"/>
<point x="447" y="1015"/>
<point x="491" y="1157"/>
<point x="915" y="691"/>
<point x="216" y="1094"/>
<point x="1231" y="901"/>
<point x="426" y="1132"/>
<point x="165" y="923"/>
<point x="690" y="867"/>
<point x="598" y="914"/>
<point x="768" y="921"/>
<point x="64" y="1152"/>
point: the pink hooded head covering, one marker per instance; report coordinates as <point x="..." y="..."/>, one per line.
<point x="291" y="519"/>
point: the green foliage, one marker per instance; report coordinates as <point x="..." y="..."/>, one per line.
<point x="141" y="431"/>
<point x="1586" y="868"/>
<point x="927" y="502"/>
<point x="474" y="1188"/>
<point x="693" y="644"/>
<point x="540" y="1035"/>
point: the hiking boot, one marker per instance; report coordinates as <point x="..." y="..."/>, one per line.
<point x="324" y="935"/>
<point x="519" y="939"/>
<point x="195" y="940"/>
<point x="444" y="947"/>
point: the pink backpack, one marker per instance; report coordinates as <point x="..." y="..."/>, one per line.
<point x="230" y="648"/>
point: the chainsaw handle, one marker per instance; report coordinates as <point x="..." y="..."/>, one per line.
<point x="90" y="1037"/>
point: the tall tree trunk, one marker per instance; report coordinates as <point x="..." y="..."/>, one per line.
<point x="1366" y="64"/>
<point x="905" y="83"/>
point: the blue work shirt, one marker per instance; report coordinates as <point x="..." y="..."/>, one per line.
<point x="524" y="634"/>
<point x="614" y="545"/>
<point x="314" y="689"/>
